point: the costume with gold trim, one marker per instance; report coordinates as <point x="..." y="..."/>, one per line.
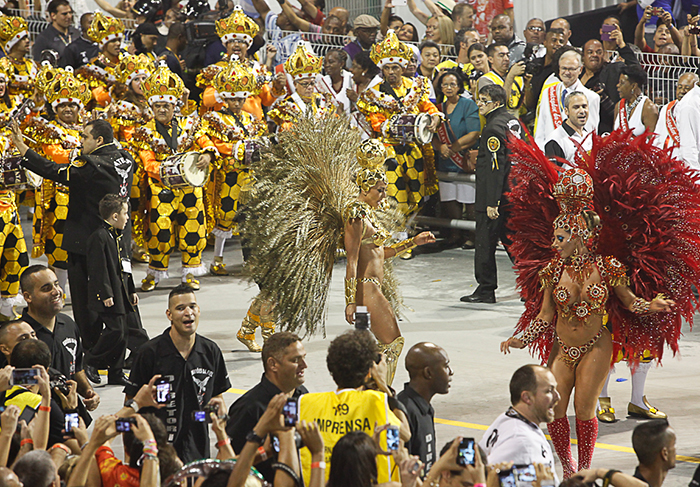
<point x="20" y="72"/>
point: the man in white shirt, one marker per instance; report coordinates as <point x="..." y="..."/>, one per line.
<point x="566" y="141"/>
<point x="551" y="103"/>
<point x="667" y="132"/>
<point x="688" y="122"/>
<point x="516" y="436"/>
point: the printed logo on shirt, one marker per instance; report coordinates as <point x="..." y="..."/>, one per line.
<point x="71" y="344"/>
<point x="123" y="168"/>
<point x="492" y="439"/>
<point x="201" y="378"/>
<point x="514" y="127"/>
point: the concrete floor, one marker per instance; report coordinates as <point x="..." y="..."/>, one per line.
<point x="432" y="285"/>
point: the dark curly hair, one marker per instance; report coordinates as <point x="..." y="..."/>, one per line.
<point x="350" y="356"/>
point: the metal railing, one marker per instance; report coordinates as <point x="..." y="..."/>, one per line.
<point x="663" y="71"/>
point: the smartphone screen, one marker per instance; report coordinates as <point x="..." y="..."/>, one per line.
<point x="525" y="475"/>
<point x="123" y="425"/>
<point x="72" y="421"/>
<point x="607" y="29"/>
<point x="392" y="438"/>
<point x="290" y="412"/>
<point x="25" y="377"/>
<point x="466" y="452"/>
<point x="162" y="391"/>
<point x="199" y="416"/>
<point x="506" y="478"/>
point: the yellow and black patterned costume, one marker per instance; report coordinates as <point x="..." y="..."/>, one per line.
<point x="410" y="167"/>
<point x="177" y="215"/>
<point x="23" y="71"/>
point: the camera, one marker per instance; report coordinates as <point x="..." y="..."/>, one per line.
<point x="529" y="57"/>
<point x="123" y="425"/>
<point x="203" y="415"/>
<point x="58" y="381"/>
<point x="475" y="74"/>
<point x="362" y="319"/>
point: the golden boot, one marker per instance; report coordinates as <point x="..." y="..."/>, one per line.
<point x="606" y="413"/>
<point x="246" y="335"/>
<point x="218" y="268"/>
<point x="392" y="351"/>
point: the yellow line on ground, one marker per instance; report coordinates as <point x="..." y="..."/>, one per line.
<point x="481" y="427"/>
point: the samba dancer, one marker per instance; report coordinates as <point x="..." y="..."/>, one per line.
<point x="128" y="110"/>
<point x="177" y="215"/>
<point x="304" y="67"/>
<point x="14" y="40"/>
<point x="237" y="32"/>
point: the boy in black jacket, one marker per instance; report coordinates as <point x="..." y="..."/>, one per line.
<point x="111" y="291"/>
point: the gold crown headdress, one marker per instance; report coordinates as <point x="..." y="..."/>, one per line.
<point x="12" y="30"/>
<point x="574" y="194"/>
<point x="64" y="87"/>
<point x="236" y="80"/>
<point x="371" y="156"/>
<point x="391" y="50"/>
<point x="237" y="26"/>
<point x="303" y="63"/>
<point x="104" y="29"/>
<point x="131" y="66"/>
<point x="46" y="75"/>
<point x="163" y="85"/>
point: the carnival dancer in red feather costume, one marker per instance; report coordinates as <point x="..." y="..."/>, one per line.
<point x="625" y="252"/>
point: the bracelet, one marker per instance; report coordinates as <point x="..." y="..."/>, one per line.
<point x="45" y="408"/>
<point x="61" y="446"/>
<point x="26" y="441"/>
<point x="85" y="444"/>
<point x="289" y="471"/>
<point x="221" y="443"/>
<point x="318" y="465"/>
<point x="403" y="246"/>
<point x="607" y="479"/>
<point x="261" y="452"/>
<point x="350" y="290"/>
<point x="479" y="485"/>
<point x="640" y="306"/>
<point x="536" y="328"/>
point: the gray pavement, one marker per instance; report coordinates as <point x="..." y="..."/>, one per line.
<point x="432" y="285"/>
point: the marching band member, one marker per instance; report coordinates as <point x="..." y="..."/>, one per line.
<point x="237" y="32"/>
<point x="303" y="67"/>
<point x="58" y="141"/>
<point x="108" y="33"/>
<point x="14" y="40"/>
<point x="129" y="109"/>
<point x="177" y="215"/>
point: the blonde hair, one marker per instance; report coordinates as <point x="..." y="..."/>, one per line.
<point x="446" y="30"/>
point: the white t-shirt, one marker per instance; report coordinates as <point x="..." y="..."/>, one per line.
<point x="688" y="121"/>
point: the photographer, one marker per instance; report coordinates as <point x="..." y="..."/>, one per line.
<point x="510" y="79"/>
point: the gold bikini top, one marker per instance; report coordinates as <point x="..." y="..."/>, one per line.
<point x="359" y="209"/>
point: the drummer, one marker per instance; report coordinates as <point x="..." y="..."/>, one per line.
<point x="411" y="166"/>
<point x="177" y="215"/>
<point x="304" y="68"/>
<point x="230" y="129"/>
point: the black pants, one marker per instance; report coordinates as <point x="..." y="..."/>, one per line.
<point x="110" y="349"/>
<point x="136" y="335"/>
<point x="88" y="321"/>
<point x="488" y="233"/>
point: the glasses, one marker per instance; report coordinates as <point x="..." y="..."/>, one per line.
<point x="569" y="70"/>
<point x="306" y="84"/>
<point x="449" y="85"/>
<point x="483" y="102"/>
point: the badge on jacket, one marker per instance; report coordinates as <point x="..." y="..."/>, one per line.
<point x="493" y="144"/>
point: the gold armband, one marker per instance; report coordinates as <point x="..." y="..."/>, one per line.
<point x="536" y="328"/>
<point x="350" y="290"/>
<point x="641" y="306"/>
<point x="403" y="246"/>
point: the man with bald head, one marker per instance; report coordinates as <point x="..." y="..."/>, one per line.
<point x="343" y="14"/>
<point x="502" y="32"/>
<point x="11" y="333"/>
<point x="430" y="373"/>
<point x="667" y="133"/>
<point x="563" y="24"/>
<point x="9" y="479"/>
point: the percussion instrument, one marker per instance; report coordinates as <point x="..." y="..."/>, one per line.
<point x="411" y="127"/>
<point x="13" y="176"/>
<point x="250" y="150"/>
<point x="180" y="171"/>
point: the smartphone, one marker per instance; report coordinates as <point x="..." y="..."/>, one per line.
<point x="290" y="412"/>
<point x="398" y="3"/>
<point x="607" y="29"/>
<point x="392" y="438"/>
<point x="163" y="387"/>
<point x="25" y="377"/>
<point x="694" y="29"/>
<point x="201" y="417"/>
<point x="72" y="421"/>
<point x="124" y="424"/>
<point x="362" y="319"/>
<point x="275" y="443"/>
<point x="466" y="452"/>
<point x="506" y="478"/>
<point x="525" y="475"/>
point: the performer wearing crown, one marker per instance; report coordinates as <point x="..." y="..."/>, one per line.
<point x="410" y="167"/>
<point x="571" y="290"/>
<point x="108" y="33"/>
<point x="365" y="242"/>
<point x="303" y="67"/>
<point x="177" y="215"/>
<point x="128" y="110"/>
<point x="58" y="141"/>
<point x="237" y="32"/>
<point x="14" y="40"/>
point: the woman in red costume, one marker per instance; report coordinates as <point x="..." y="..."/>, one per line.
<point x="573" y="293"/>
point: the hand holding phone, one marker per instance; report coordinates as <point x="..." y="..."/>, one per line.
<point x="71" y="421"/>
<point x="392" y="438"/>
<point x="25" y="377"/>
<point x="290" y="412"/>
<point x="123" y="425"/>
<point x="163" y="388"/>
<point x="606" y="30"/>
<point x="466" y="452"/>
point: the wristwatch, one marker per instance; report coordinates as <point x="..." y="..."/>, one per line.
<point x="131" y="403"/>
<point x="254" y="438"/>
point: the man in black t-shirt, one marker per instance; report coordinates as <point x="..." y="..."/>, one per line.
<point x="195" y="367"/>
<point x="430" y="373"/>
<point x="654" y="443"/>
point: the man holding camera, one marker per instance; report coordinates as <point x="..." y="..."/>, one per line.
<point x="195" y="370"/>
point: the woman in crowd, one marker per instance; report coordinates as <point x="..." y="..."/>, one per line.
<point x="407" y="33"/>
<point x="458" y="133"/>
<point x="480" y="61"/>
<point x="363" y="72"/>
<point x="441" y="31"/>
<point x="337" y="80"/>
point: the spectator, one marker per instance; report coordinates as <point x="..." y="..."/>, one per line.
<point x="502" y="32"/>
<point x="407" y="33"/>
<point x="688" y="119"/>
<point x="544" y="66"/>
<point x="177" y="41"/>
<point x="171" y="16"/>
<point x="635" y="111"/>
<point x="462" y="16"/>
<point x="388" y="20"/>
<point x="654" y="443"/>
<point x="79" y="52"/>
<point x="534" y="33"/>
<point x="343" y="14"/>
<point x="145" y="39"/>
<point x="11" y="333"/>
<point x="486" y="10"/>
<point x="351" y="359"/>
<point x="312" y="11"/>
<point x="123" y="9"/>
<point x="609" y="45"/>
<point x="365" y="29"/>
<point x="510" y="79"/>
<point x="601" y="75"/>
<point x="337" y="80"/>
<point x="441" y="31"/>
<point x="551" y="104"/>
<point x="515" y="436"/>
<point x="44" y="299"/>
<point x="36" y="469"/>
<point x="363" y="72"/>
<point x="60" y="33"/>
<point x="447" y="473"/>
<point x="276" y="25"/>
<point x="564" y="25"/>
<point x="195" y="368"/>
<point x="458" y="133"/>
<point x="574" y="133"/>
<point x="429" y="373"/>
<point x="480" y="60"/>
<point x="492" y="169"/>
<point x="284" y="365"/>
<point x="464" y="39"/>
<point x="667" y="130"/>
<point x="430" y="58"/>
<point x="665" y="32"/>
<point x="331" y="25"/>
<point x="422" y="17"/>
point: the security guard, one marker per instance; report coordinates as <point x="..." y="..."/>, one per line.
<point x="492" y="169"/>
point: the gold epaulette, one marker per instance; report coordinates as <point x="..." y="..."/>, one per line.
<point x="550" y="275"/>
<point x="356" y="209"/>
<point x="613" y="271"/>
<point x="206" y="75"/>
<point x="189" y="109"/>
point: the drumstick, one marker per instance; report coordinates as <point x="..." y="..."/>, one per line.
<point x="30" y="139"/>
